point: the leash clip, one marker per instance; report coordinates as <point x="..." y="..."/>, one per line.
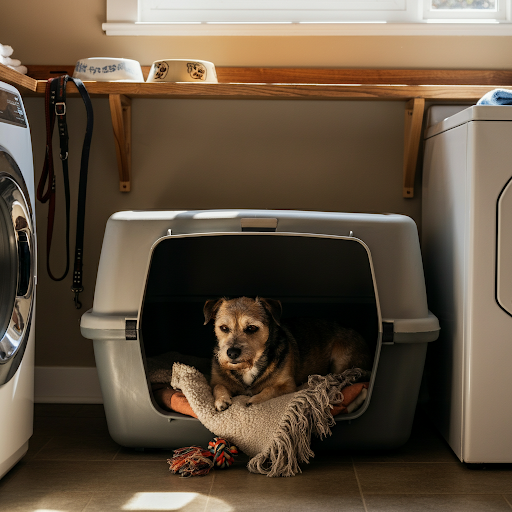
<point x="60" y="108"/>
<point x="76" y="291"/>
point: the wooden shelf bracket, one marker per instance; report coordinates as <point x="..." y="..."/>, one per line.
<point x="414" y="110"/>
<point x="121" y="113"/>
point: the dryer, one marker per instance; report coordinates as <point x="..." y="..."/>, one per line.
<point x="17" y="279"/>
<point x="467" y="252"/>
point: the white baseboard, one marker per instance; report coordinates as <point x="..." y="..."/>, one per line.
<point x="67" y="385"/>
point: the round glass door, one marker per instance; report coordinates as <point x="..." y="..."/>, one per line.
<point x="16" y="268"/>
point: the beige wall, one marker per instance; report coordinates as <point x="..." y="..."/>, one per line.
<point x="333" y="156"/>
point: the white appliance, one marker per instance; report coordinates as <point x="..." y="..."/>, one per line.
<point x="17" y="279"/>
<point x="467" y="251"/>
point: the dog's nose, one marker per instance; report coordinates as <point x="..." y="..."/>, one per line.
<point x="233" y="352"/>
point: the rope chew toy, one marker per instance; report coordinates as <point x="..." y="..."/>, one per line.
<point x="191" y="461"/>
<point x="223" y="452"/>
<point x="196" y="461"/>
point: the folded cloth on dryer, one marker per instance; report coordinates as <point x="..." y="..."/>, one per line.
<point x="276" y="433"/>
<point x="496" y="97"/>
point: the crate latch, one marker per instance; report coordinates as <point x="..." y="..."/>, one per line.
<point x="130" y="329"/>
<point x="388" y="332"/>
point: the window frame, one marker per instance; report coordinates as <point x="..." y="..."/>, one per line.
<point x="123" y="19"/>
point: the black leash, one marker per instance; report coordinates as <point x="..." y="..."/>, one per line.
<point x="55" y="107"/>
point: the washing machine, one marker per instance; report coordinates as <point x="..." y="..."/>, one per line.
<point x="17" y="279"/>
<point x="467" y="252"/>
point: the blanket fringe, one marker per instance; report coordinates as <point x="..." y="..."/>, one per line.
<point x="308" y="413"/>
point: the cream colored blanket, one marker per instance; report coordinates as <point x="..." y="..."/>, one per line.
<point x="277" y="433"/>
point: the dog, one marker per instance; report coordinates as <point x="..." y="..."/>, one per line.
<point x="259" y="355"/>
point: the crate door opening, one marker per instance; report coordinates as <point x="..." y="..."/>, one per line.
<point x="314" y="276"/>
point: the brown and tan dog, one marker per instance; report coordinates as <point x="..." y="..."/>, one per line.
<point x="260" y="356"/>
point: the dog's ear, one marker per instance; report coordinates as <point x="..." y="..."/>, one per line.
<point x="273" y="307"/>
<point x="210" y="309"/>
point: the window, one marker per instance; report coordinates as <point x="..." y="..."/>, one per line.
<point x="304" y="17"/>
<point x="269" y="11"/>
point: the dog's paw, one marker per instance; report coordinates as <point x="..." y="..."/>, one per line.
<point x="221" y="404"/>
<point x="256" y="399"/>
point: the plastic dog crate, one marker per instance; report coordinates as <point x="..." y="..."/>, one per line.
<point x="157" y="268"/>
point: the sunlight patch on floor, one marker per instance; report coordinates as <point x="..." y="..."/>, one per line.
<point x="173" y="501"/>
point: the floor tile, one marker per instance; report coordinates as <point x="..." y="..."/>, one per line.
<point x="249" y="502"/>
<point x="97" y="476"/>
<point x="424" y="445"/>
<point x="152" y="476"/>
<point x="35" y="444"/>
<point x="90" y="411"/>
<point x="78" y="448"/>
<point x="431" y="478"/>
<point x="130" y="454"/>
<point x="56" y="410"/>
<point x="28" y="501"/>
<point x="58" y="476"/>
<point x="331" y="457"/>
<point x="436" y="502"/>
<point x="320" y="487"/>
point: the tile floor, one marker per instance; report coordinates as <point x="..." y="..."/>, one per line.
<point x="73" y="465"/>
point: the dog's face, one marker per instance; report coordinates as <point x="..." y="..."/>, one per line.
<point x="196" y="70"/>
<point x="242" y="329"/>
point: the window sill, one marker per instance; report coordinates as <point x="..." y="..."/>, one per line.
<point x="430" y="28"/>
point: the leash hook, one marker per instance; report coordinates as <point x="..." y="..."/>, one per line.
<point x="78" y="304"/>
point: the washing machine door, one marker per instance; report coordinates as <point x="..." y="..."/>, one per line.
<point x="16" y="266"/>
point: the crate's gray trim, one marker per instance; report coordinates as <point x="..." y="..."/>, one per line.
<point x="415" y="337"/>
<point x="103" y="334"/>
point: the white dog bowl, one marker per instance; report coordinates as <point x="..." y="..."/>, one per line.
<point x="102" y="69"/>
<point x="182" y="70"/>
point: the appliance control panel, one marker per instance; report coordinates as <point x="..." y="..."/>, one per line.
<point x="11" y="109"/>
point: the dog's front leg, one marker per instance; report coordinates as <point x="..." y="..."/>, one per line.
<point x="222" y="397"/>
<point x="271" y="392"/>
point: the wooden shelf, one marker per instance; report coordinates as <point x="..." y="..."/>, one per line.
<point x="414" y="87"/>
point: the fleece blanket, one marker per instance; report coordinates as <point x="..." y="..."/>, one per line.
<point x="277" y="433"/>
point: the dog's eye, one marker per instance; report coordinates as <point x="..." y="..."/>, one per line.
<point x="251" y="329"/>
<point x="224" y="328"/>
